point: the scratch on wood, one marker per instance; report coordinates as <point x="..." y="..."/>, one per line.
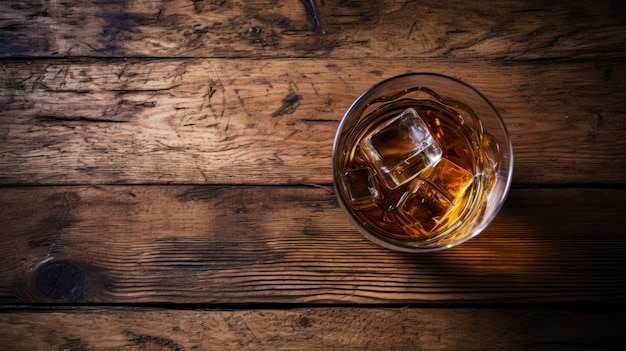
<point x="318" y="120"/>
<point x="65" y="70"/>
<point x="413" y="26"/>
<point x="290" y="104"/>
<point x="77" y="119"/>
<point x="245" y="324"/>
<point x="146" y="340"/>
<point x="119" y="76"/>
<point x="211" y="90"/>
<point x="214" y="87"/>
<point x="148" y="104"/>
<point x="329" y="189"/>
<point x="314" y="14"/>
<point x="242" y="102"/>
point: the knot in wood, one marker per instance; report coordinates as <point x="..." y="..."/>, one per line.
<point x="61" y="281"/>
<point x="304" y="321"/>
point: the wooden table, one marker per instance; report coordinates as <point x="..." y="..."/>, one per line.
<point x="165" y="176"/>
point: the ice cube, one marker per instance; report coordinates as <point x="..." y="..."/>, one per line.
<point x="449" y="178"/>
<point x="401" y="148"/>
<point x="433" y="195"/>
<point x="423" y="207"/>
<point x="361" y="187"/>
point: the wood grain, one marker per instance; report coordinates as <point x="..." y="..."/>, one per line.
<point x="245" y="121"/>
<point x="339" y="29"/>
<point x="179" y="244"/>
<point x="313" y="329"/>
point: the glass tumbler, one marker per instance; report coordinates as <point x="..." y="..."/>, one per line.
<point x="421" y="162"/>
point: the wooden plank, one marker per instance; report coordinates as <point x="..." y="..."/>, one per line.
<point x="273" y="122"/>
<point x="346" y="29"/>
<point x="179" y="244"/>
<point x="314" y="329"/>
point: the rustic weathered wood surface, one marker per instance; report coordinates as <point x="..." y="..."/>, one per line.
<point x="530" y="29"/>
<point x="190" y="121"/>
<point x="312" y="329"/>
<point x="123" y="244"/>
<point x="165" y="176"/>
